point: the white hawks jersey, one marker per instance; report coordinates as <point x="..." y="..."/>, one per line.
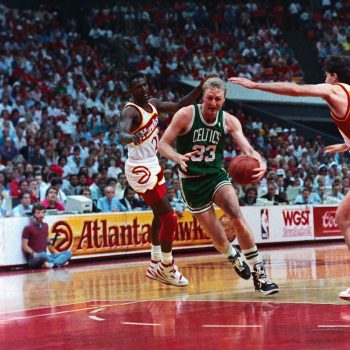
<point x="149" y="129"/>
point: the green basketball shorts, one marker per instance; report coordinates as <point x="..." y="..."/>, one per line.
<point x="198" y="192"/>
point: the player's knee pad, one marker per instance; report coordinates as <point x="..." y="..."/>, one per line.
<point x="168" y="226"/>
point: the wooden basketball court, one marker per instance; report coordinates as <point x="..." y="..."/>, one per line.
<point x="112" y="305"/>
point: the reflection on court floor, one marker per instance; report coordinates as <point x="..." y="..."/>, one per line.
<point x="101" y="305"/>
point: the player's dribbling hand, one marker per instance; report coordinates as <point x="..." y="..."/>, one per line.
<point x="259" y="172"/>
<point x="184" y="158"/>
<point x="243" y="82"/>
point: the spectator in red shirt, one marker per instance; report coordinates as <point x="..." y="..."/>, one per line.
<point x="35" y="239"/>
<point x="50" y="201"/>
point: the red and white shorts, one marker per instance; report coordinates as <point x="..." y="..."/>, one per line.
<point x="146" y="178"/>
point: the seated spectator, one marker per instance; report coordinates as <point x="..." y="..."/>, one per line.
<point x="130" y="202"/>
<point x="250" y="195"/>
<point x="36" y="158"/>
<point x="271" y="194"/>
<point x="281" y="187"/>
<point x="121" y="185"/>
<point x="8" y="150"/>
<point x="98" y="187"/>
<point x="34" y="190"/>
<point x="283" y="198"/>
<point x="57" y="182"/>
<point x="51" y="201"/>
<point x="85" y="191"/>
<point x="304" y="197"/>
<point x="177" y="204"/>
<point x="113" y="169"/>
<point x="168" y="174"/>
<point x="3" y="210"/>
<point x="175" y="183"/>
<point x="35" y="240"/>
<point x="22" y="186"/>
<point x="25" y="207"/>
<point x="320" y="196"/>
<point x="336" y="191"/>
<point x="109" y="203"/>
<point x="70" y="187"/>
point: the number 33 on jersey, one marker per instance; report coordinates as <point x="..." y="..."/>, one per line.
<point x="208" y="139"/>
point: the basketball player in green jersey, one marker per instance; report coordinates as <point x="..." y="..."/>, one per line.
<point x="202" y="129"/>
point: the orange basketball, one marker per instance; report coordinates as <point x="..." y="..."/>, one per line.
<point x="241" y="169"/>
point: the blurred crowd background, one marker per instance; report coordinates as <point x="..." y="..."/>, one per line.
<point x="63" y="85"/>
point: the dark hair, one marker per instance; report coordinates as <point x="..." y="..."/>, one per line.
<point x="21" y="182"/>
<point x="51" y="188"/>
<point x="81" y="191"/>
<point x="56" y="181"/>
<point x="37" y="206"/>
<point x="21" y="195"/>
<point x="339" y="65"/>
<point x="135" y="76"/>
<point x="127" y="189"/>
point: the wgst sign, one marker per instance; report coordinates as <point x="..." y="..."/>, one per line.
<point x="296" y="223"/>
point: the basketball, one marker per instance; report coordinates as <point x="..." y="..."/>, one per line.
<point x="241" y="169"/>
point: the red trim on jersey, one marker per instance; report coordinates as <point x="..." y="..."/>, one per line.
<point x="132" y="131"/>
<point x="138" y="108"/>
<point x="347" y="110"/>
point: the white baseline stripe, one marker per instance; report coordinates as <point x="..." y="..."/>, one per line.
<point x="97" y="318"/>
<point x="334" y="326"/>
<point x="43" y="315"/>
<point x="97" y="310"/>
<point x="231" y="326"/>
<point x="140" y="324"/>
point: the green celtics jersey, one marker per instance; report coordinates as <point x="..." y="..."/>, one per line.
<point x="206" y="138"/>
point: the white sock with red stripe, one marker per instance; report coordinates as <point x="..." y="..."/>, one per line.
<point x="156" y="253"/>
<point x="167" y="258"/>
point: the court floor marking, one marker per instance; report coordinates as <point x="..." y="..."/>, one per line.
<point x="47" y="307"/>
<point x="95" y="318"/>
<point x="140" y="324"/>
<point x="231" y="326"/>
<point x="96" y="309"/>
<point x="48" y="314"/>
<point x="334" y="326"/>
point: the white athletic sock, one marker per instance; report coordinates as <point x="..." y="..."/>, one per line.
<point x="156" y="252"/>
<point x="231" y="251"/>
<point x="167" y="258"/>
<point x="252" y="256"/>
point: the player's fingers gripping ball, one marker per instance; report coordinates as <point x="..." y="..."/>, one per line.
<point x="241" y="169"/>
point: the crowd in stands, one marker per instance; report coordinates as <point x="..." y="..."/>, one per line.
<point x="327" y="27"/>
<point x="63" y="85"/>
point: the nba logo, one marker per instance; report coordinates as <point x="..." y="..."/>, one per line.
<point x="265" y="224"/>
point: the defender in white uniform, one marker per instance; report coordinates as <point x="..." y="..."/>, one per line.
<point x="139" y="130"/>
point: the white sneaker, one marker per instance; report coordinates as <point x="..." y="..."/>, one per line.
<point x="345" y="294"/>
<point x="152" y="270"/>
<point x="47" y="265"/>
<point x="171" y="275"/>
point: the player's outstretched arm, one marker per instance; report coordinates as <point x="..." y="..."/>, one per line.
<point x="189" y="99"/>
<point x="337" y="148"/>
<point x="287" y="89"/>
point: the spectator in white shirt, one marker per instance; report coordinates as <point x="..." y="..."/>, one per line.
<point x="25" y="206"/>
